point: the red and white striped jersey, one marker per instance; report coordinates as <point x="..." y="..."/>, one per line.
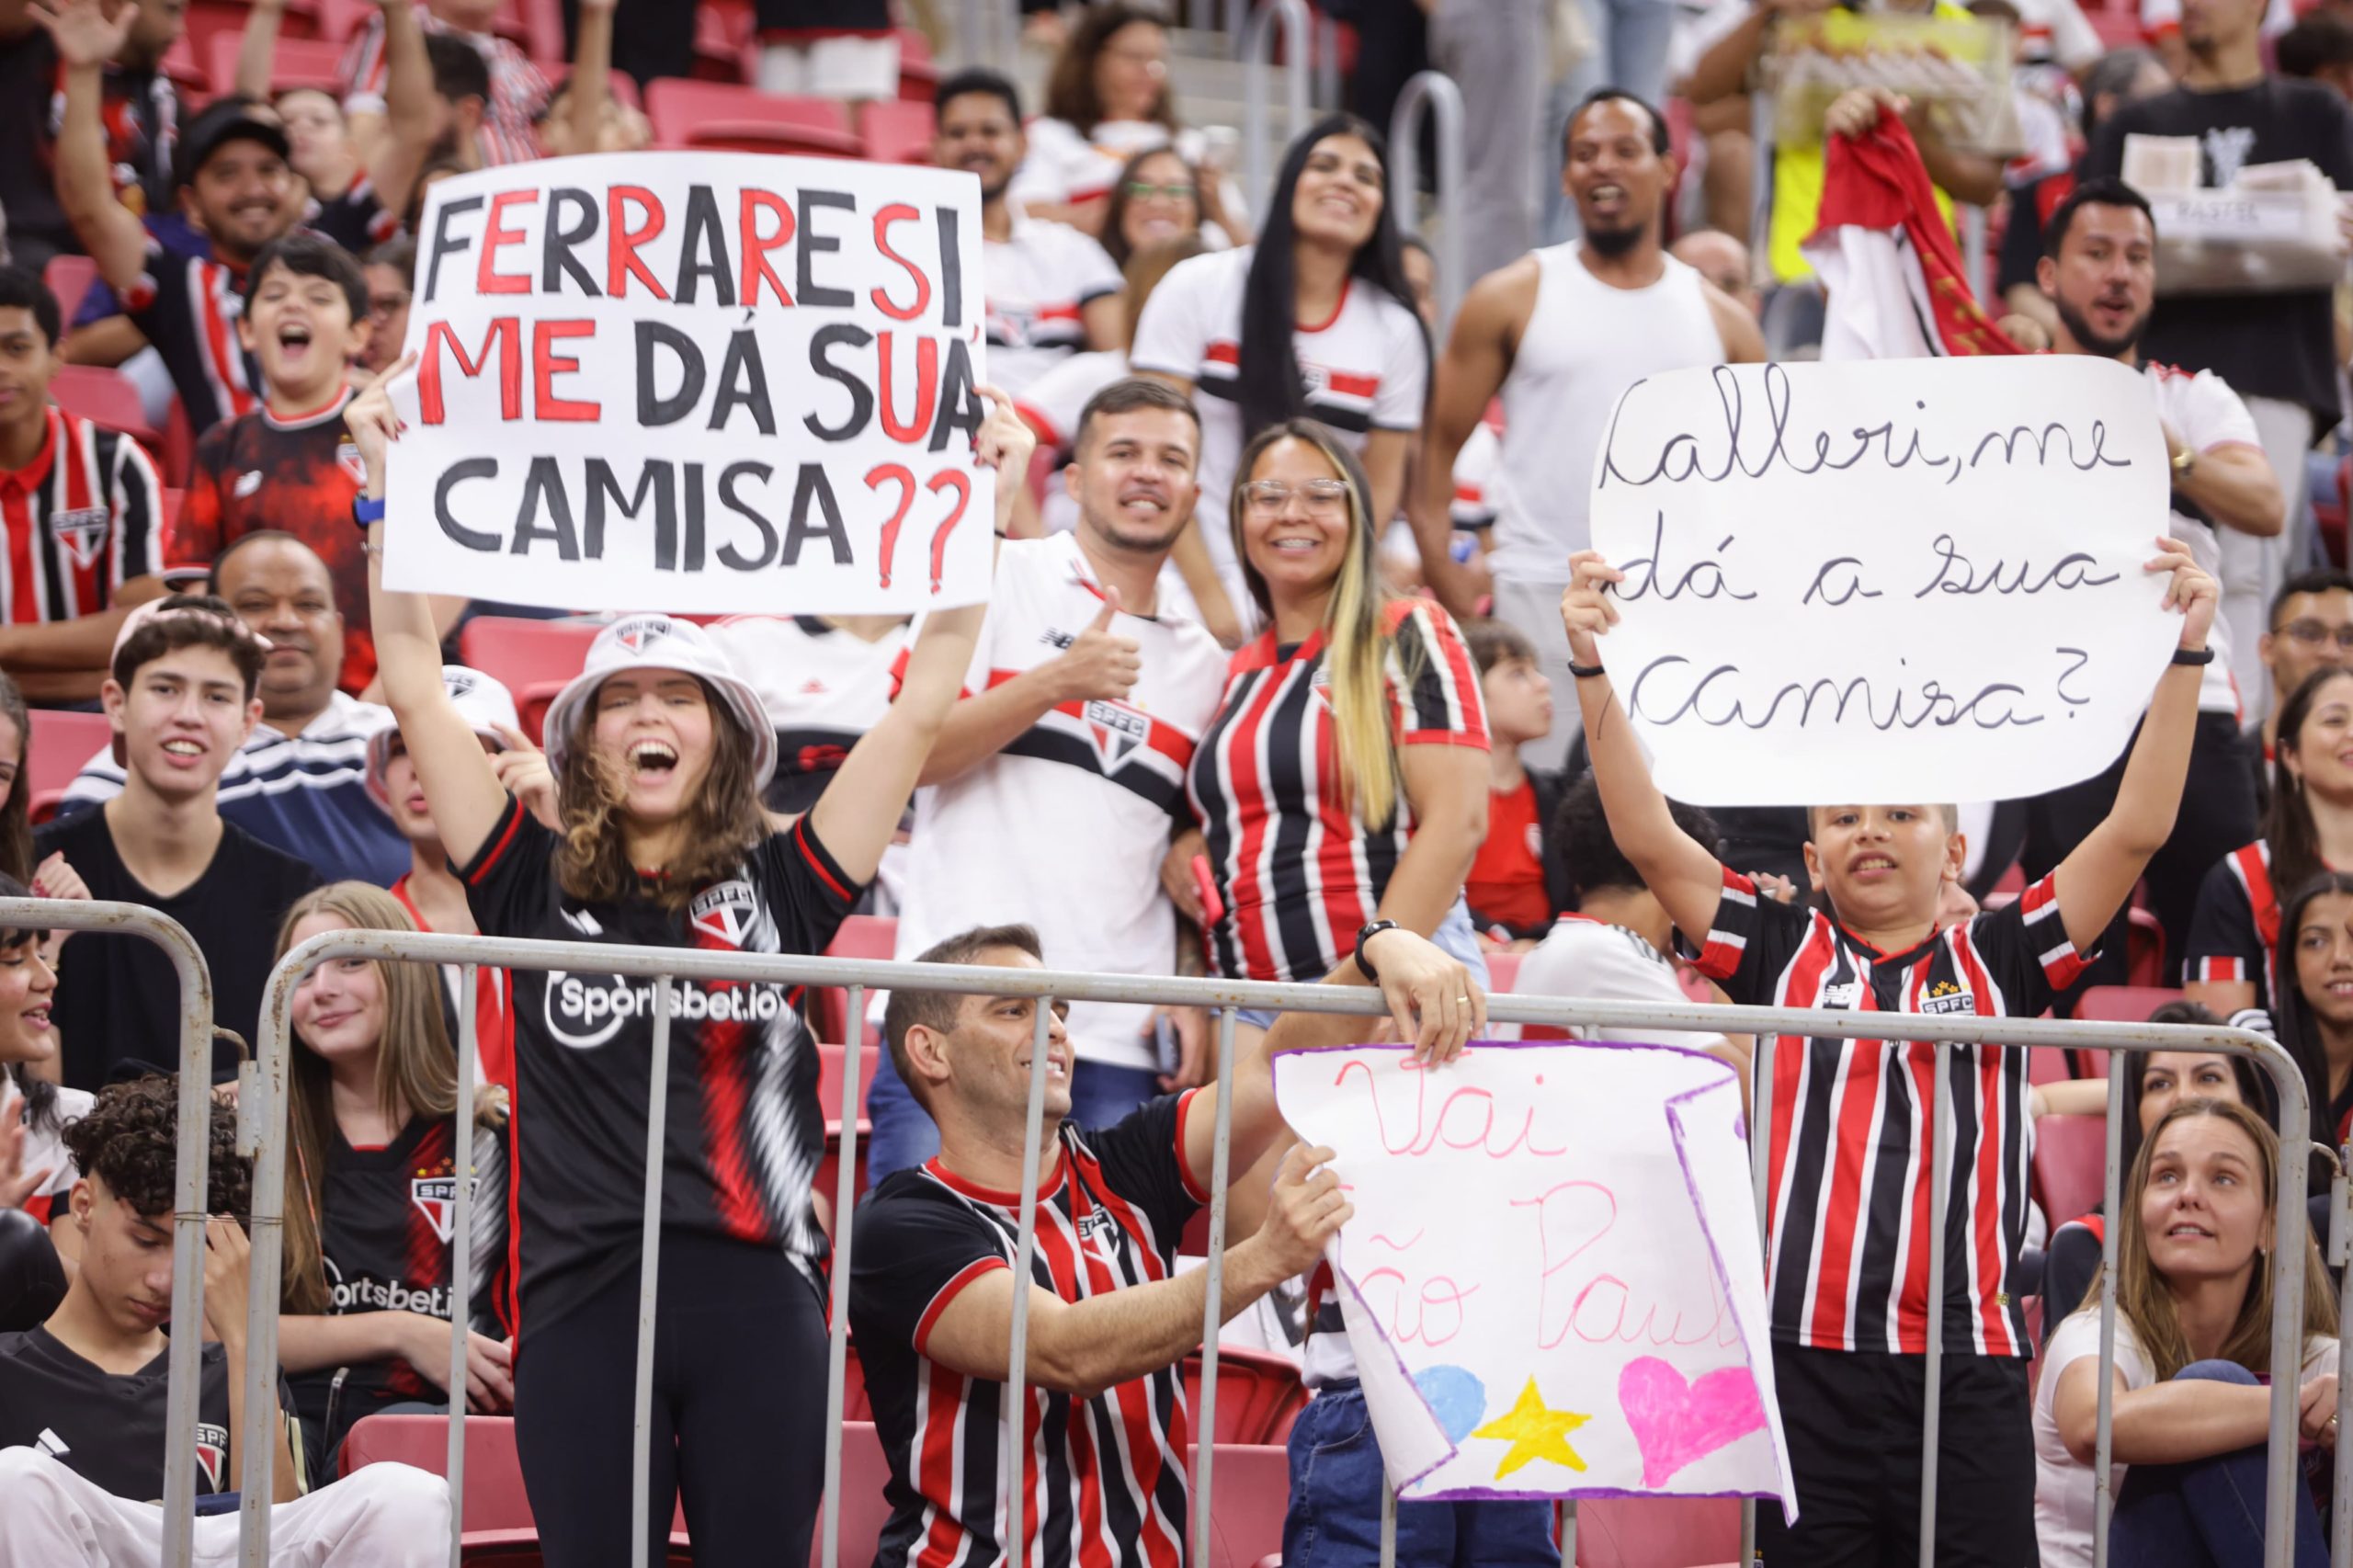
<point x="79" y="520"/>
<point x="1039" y="281"/>
<point x="2234" y="934"/>
<point x="188" y="306"/>
<point x="1104" y="1478"/>
<point x="517" y="90"/>
<point x="1300" y="871"/>
<point x="1849" y="1170"/>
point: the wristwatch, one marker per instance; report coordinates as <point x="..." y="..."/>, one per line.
<point x="2185" y="462"/>
<point x="1372" y="929"/>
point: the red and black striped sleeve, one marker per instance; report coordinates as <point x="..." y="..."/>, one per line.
<point x="918" y="1248"/>
<point x="1751" y="940"/>
<point x="508" y="881"/>
<point x="1433" y="680"/>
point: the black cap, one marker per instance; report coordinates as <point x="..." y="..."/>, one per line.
<point x="230" y="119"/>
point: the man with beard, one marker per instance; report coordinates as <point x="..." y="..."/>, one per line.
<point x="2098" y="270"/>
<point x="2276" y="346"/>
<point x="1559" y="335"/>
<point x="1051" y="290"/>
<point x="1068" y="754"/>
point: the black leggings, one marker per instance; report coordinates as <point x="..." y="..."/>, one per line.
<point x="739" y="1412"/>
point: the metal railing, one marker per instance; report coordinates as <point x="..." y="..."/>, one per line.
<point x="188" y="1171"/>
<point x="665" y="964"/>
<point x="1297" y="27"/>
<point x="1432" y="93"/>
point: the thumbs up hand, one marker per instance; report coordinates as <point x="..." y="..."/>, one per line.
<point x="1099" y="663"/>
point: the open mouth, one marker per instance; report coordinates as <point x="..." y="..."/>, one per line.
<point x="2186" y="1232"/>
<point x="1057" y="1066"/>
<point x="1871" y="865"/>
<point x="182" y="747"/>
<point x="1295" y="545"/>
<point x="1608" y="197"/>
<point x="1143" y="502"/>
<point x="294" y="343"/>
<point x="655" y="758"/>
<point x="36" y="1018"/>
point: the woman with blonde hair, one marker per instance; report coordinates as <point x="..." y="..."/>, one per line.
<point x="2193" y="1348"/>
<point x="373" y="1091"/>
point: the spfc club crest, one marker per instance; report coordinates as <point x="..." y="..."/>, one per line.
<point x="1313" y="378"/>
<point x="723" y="912"/>
<point x="1117" y="732"/>
<point x="437" y="1199"/>
<point x="211" y="1453"/>
<point x="347" y="453"/>
<point x="639" y="632"/>
<point x="82" y="531"/>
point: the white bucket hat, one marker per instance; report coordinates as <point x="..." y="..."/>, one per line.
<point x="480" y="699"/>
<point x="661" y="642"/>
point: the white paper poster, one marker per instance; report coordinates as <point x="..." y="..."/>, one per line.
<point x="707" y="381"/>
<point x="1552" y="1282"/>
<point x="1890" y="581"/>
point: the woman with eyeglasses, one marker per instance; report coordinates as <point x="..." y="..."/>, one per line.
<point x="2307" y="829"/>
<point x="2312" y="627"/>
<point x="1315" y="321"/>
<point x="1156" y="200"/>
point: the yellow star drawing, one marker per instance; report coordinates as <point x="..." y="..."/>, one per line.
<point x="1534" y="1433"/>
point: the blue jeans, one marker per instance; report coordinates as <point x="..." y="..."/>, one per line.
<point x="1455" y="937"/>
<point x="2208" y="1513"/>
<point x="904" y="1136"/>
<point x="1334" y="1519"/>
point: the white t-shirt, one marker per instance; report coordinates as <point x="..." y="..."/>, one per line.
<point x="1365" y="369"/>
<point x="2158" y="15"/>
<point x="45" y="1150"/>
<point x="1064" y="829"/>
<point x="1038" y="283"/>
<point x="820" y="687"/>
<point x="2063" y="1488"/>
<point x="1065" y="166"/>
<point x="2208" y="415"/>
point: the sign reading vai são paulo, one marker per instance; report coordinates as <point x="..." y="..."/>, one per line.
<point x="1882" y="581"/>
<point x="689" y="380"/>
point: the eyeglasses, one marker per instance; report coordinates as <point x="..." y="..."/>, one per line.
<point x="1322" y="496"/>
<point x="2312" y="633"/>
<point x="1144" y="190"/>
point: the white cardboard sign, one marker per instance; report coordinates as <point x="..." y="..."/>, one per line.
<point x="710" y="382"/>
<point x="1553" y="1281"/>
<point x="1885" y="581"/>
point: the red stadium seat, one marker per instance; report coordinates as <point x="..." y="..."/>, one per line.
<point x="60" y="743"/>
<point x="2069" y="1161"/>
<point x="767" y="138"/>
<point x="830" y="1058"/>
<point x="498" y="1523"/>
<point x="107" y="396"/>
<point x="1503" y="972"/>
<point x="2144" y="949"/>
<point x="1658" y="1532"/>
<point x="295" y="62"/>
<point x="205" y="20"/>
<point x="898" y="131"/>
<point x="724" y="50"/>
<point x="1252" y="1487"/>
<point x="521" y="651"/>
<point x="168" y="508"/>
<point x="861" y="936"/>
<point x="677" y="106"/>
<point x="187" y="74"/>
<point x="1258" y="1396"/>
<point x="69" y="277"/>
<point x="865" y="1472"/>
<point x="2123" y="1003"/>
<point x="339" y="19"/>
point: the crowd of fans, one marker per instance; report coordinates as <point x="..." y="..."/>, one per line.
<point x="1276" y="680"/>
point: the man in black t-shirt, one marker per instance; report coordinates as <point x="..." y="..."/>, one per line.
<point x="181" y="696"/>
<point x="84" y="1398"/>
<point x="932" y="1285"/>
<point x="2276" y="349"/>
<point x="140" y="115"/>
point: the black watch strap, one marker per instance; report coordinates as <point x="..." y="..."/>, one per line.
<point x="1372" y="929"/>
<point x="2193" y="655"/>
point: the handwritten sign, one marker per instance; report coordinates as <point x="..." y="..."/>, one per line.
<point x="707" y="381"/>
<point x="1885" y="581"/>
<point x="1552" y="1281"/>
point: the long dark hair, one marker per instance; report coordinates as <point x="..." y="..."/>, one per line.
<point x="16" y="818"/>
<point x="2255" y="1089"/>
<point x="1070" y="86"/>
<point x="41" y="1095"/>
<point x="2292" y="1016"/>
<point x="1267" y="380"/>
<point x="2288" y="820"/>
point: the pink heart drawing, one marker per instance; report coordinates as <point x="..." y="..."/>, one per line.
<point x="1676" y="1423"/>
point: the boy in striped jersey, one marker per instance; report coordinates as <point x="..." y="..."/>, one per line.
<point x="79" y="524"/>
<point x="1847" y="1196"/>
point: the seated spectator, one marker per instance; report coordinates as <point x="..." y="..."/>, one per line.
<point x="28" y="1054"/>
<point x="832" y="49"/>
<point x="389" y="272"/>
<point x="299" y="783"/>
<point x="2319" y="47"/>
<point x="2193" y="1341"/>
<point x="289" y="466"/>
<point x="355" y="202"/>
<point x="2307" y="829"/>
<point x="932" y="1288"/>
<point x="32" y="1272"/>
<point x="140" y="111"/>
<point x="1510" y="904"/>
<point x="1052" y="292"/>
<point x="2311" y="625"/>
<point x="371" y="1091"/>
<point x="82" y="502"/>
<point x="516" y="88"/>
<point x="83" y="1397"/>
<point x="2314" y="1013"/>
<point x="1157" y="200"/>
<point x="1107" y="99"/>
<point x="824" y="680"/>
<point x="582" y="115"/>
<point x="2158" y="1081"/>
<point x="181" y="700"/>
<point x="1721" y="260"/>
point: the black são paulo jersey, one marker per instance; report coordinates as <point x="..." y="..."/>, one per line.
<point x="744" y="1130"/>
<point x="108" y="1428"/>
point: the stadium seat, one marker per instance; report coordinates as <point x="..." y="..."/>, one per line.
<point x="168" y="508"/>
<point x="861" y="936"/>
<point x="2070" y="1161"/>
<point x="865" y="1472"/>
<point x="724" y="50"/>
<point x="2123" y="1003"/>
<point x="522" y="651"/>
<point x="898" y="131"/>
<point x="1503" y="972"/>
<point x="187" y="74"/>
<point x="765" y="137"/>
<point x="339" y="19"/>
<point x="829" y="1081"/>
<point x="2144" y="949"/>
<point x="1251" y="1483"/>
<point x="60" y="743"/>
<point x="69" y="277"/>
<point x="205" y="20"/>
<point x="107" y="396"/>
<point x="1258" y="1396"/>
<point x="1658" y="1532"/>
<point x="680" y="106"/>
<point x="295" y="62"/>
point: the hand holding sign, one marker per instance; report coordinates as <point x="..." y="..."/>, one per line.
<point x="2189" y="588"/>
<point x="1307" y="1210"/>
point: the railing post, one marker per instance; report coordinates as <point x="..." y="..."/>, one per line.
<point x="838" y="1336"/>
<point x="1016" y="1425"/>
<point x="649" y="1272"/>
<point x="2111" y="1204"/>
<point x="1436" y="93"/>
<point x="1213" y="1314"/>
<point x="1938" y="1131"/>
<point x="1760" y="1168"/>
<point x="1290" y="17"/>
<point x="2340" y="1244"/>
<point x="461" y="1250"/>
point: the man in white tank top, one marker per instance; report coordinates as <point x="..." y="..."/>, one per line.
<point x="1559" y="335"/>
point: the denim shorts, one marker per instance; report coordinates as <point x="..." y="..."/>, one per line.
<point x="1455" y="937"/>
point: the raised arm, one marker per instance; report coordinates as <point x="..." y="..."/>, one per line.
<point x="112" y="235"/>
<point x="2095" y="879"/>
<point x="461" y="784"/>
<point x="1099" y="663"/>
<point x="1681" y="873"/>
<point x="1082" y="1348"/>
<point x="860" y="809"/>
<point x="1722" y="69"/>
<point x="257" y="48"/>
<point x="398" y="155"/>
<point x="592" y="75"/>
<point x="1478" y="356"/>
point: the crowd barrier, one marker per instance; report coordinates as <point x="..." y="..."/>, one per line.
<point x="1296" y="25"/>
<point x="265" y="1102"/>
<point x="1433" y="94"/>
